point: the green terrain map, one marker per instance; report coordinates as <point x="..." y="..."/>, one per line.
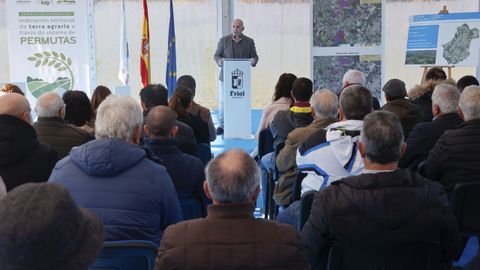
<point x="458" y="49"/>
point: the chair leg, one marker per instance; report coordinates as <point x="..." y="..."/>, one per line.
<point x="266" y="200"/>
<point x="272" y="207"/>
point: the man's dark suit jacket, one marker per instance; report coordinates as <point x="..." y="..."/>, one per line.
<point x="424" y="136"/>
<point x="245" y="49"/>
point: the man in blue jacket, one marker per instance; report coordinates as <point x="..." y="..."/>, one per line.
<point x="113" y="177"/>
<point x="186" y="171"/>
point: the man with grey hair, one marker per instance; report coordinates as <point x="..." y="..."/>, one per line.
<point x="230" y="235"/>
<point x="324" y="104"/>
<point x="353" y="76"/>
<point x="114" y="177"/>
<point x="22" y="157"/>
<point x="331" y="153"/>
<point x="52" y="130"/>
<point x="356" y="77"/>
<point x="424" y="135"/>
<point x="455" y="157"/>
<point x="364" y="209"/>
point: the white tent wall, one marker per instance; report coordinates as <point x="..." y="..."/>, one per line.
<point x="279" y="27"/>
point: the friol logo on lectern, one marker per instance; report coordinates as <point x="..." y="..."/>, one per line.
<point x="237" y="79"/>
<point x="237" y="84"/>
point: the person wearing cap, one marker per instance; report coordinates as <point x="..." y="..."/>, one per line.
<point x="43" y="228"/>
<point x="408" y="113"/>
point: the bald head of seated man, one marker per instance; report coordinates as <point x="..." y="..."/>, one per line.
<point x="24" y="159"/>
<point x="15" y="105"/>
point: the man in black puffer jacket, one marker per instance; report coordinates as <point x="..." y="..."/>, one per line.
<point x="455" y="157"/>
<point x="382" y="206"/>
<point x="22" y="157"/>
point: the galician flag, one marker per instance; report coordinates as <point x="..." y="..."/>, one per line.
<point x="123" y="67"/>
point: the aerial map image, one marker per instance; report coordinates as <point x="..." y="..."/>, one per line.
<point x="459" y="48"/>
<point x="350" y="22"/>
<point x="328" y="71"/>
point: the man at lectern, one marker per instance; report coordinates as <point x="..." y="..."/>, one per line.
<point x="234" y="45"/>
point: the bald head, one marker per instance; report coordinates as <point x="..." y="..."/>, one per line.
<point x="160" y="122"/>
<point x="237" y="27"/>
<point x="15" y="105"/>
<point x="233" y="176"/>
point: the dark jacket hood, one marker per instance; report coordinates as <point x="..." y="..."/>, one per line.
<point x="17" y="139"/>
<point x="382" y="208"/>
<point x="107" y="157"/>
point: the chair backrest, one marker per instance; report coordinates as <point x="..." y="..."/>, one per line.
<point x="191" y="207"/>
<point x="297" y="186"/>
<point x="126" y="255"/>
<point x="411" y="256"/>
<point x="466" y="207"/>
<point x="305" y="207"/>
<point x="265" y="142"/>
<point x="204" y="153"/>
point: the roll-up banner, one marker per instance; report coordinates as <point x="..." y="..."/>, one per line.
<point x="50" y="45"/>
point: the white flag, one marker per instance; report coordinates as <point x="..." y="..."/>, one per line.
<point x="123" y="67"/>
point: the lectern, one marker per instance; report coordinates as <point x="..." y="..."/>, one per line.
<point x="237" y="114"/>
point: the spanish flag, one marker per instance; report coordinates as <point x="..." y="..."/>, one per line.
<point x="145" y="49"/>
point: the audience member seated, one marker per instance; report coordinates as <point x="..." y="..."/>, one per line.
<point x="157" y="95"/>
<point x="282" y="100"/>
<point x="112" y="176"/>
<point x="299" y="115"/>
<point x="23" y="158"/>
<point x="99" y="94"/>
<point x="230" y="237"/>
<point x="382" y="206"/>
<point x="356" y="77"/>
<point x="408" y="113"/>
<point x="42" y="228"/>
<point x="424" y="135"/>
<point x="324" y="104"/>
<point x="78" y="111"/>
<point x="180" y="103"/>
<point x="51" y="128"/>
<point x="421" y="95"/>
<point x="12" y="88"/>
<point x="331" y="153"/>
<point x="197" y="109"/>
<point x="186" y="171"/>
<point x="466" y="81"/>
<point x="455" y="157"/>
